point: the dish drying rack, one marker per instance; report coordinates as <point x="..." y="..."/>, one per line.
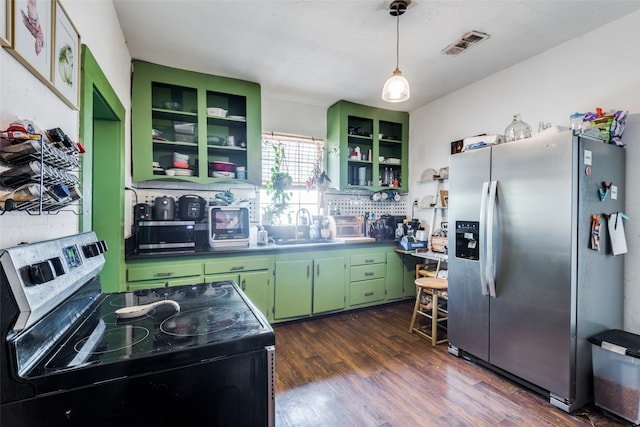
<point x="41" y="177"/>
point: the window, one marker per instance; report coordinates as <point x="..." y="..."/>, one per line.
<point x="301" y="156"/>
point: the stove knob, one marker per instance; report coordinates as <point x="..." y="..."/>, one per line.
<point x="91" y="250"/>
<point x="103" y="246"/>
<point x="41" y="272"/>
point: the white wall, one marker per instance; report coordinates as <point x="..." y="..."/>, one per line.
<point x="24" y="96"/>
<point x="284" y="115"/>
<point x="599" y="69"/>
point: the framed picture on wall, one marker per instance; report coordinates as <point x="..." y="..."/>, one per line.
<point x="66" y="57"/>
<point x="31" y="43"/>
<point x="5" y="22"/>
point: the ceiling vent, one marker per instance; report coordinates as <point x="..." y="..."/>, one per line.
<point x="465" y="42"/>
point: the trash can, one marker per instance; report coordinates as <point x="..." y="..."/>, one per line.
<point x="616" y="373"/>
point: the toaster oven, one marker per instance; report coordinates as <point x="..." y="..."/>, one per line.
<point x="228" y="226"/>
<point x="345" y="226"/>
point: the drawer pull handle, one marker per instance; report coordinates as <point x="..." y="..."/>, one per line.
<point x="368" y="273"/>
<point x="164" y="273"/>
<point x="237" y="267"/>
<point x="368" y="294"/>
<point x="369" y="261"/>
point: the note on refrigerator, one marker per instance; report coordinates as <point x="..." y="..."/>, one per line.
<point x="616" y="234"/>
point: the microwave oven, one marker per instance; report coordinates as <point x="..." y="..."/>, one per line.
<point x="228" y="226"/>
<point x="166" y="235"/>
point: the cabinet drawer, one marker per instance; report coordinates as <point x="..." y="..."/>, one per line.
<point x="184" y="281"/>
<point x="136" y="286"/>
<point x="165" y="272"/>
<point x="368" y="272"/>
<point x="225" y="277"/>
<point x="236" y="265"/>
<point x="367" y="291"/>
<point x="368" y="259"/>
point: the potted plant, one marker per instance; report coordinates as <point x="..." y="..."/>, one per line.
<point x="277" y="188"/>
<point x="319" y="180"/>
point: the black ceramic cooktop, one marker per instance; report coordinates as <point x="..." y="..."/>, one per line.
<point x="214" y="320"/>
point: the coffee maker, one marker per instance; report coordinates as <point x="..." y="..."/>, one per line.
<point x="384" y="228"/>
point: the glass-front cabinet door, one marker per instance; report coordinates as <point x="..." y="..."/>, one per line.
<point x="193" y="126"/>
<point x="367" y="147"/>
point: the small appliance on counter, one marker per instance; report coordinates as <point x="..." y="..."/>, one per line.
<point x="164" y="208"/>
<point x="166" y="236"/>
<point x="191" y="207"/>
<point x="384" y="228"/>
<point x="409" y="243"/>
<point x="345" y="226"/>
<point x="228" y="226"/>
<point x="142" y="212"/>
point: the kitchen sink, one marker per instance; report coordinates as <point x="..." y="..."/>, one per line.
<point x="300" y="241"/>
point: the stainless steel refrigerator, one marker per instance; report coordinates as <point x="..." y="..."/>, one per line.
<point x="526" y="289"/>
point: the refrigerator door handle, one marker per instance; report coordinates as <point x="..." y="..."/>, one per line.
<point x="489" y="238"/>
<point x="483" y="240"/>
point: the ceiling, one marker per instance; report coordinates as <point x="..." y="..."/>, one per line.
<point x="321" y="51"/>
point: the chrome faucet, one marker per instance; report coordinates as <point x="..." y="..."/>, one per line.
<point x="302" y="213"/>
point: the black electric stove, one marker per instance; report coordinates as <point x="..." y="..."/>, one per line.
<point x="68" y="359"/>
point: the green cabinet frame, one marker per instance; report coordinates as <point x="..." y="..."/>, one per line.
<point x="383" y="133"/>
<point x="175" y="102"/>
<point x="287" y="285"/>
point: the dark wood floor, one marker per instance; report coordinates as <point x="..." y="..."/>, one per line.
<point x="364" y="368"/>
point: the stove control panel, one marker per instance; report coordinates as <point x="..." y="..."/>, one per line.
<point x="41" y="275"/>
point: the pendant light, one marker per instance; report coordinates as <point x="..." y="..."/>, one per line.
<point x="396" y="88"/>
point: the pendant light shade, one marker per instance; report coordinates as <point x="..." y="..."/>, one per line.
<point x="396" y="88"/>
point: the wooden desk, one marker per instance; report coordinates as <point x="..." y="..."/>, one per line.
<point x="427" y="255"/>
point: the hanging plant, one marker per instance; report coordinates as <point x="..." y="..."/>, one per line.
<point x="278" y="186"/>
<point x="319" y="180"/>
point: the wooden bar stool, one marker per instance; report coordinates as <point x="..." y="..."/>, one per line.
<point x="434" y="287"/>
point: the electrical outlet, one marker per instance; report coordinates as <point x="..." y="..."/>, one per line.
<point x="415" y="202"/>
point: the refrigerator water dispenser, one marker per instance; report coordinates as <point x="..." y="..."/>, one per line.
<point x="467" y="240"/>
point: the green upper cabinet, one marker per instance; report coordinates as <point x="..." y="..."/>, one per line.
<point x="183" y="121"/>
<point x="382" y="138"/>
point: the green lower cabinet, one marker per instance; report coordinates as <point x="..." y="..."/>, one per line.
<point x="293" y="289"/>
<point x="254" y="284"/>
<point x="293" y="285"/>
<point x="367" y="277"/>
<point x="409" y="267"/>
<point x="395" y="276"/>
<point x="254" y="275"/>
<point x="309" y="286"/>
<point x="151" y="274"/>
<point x="367" y="292"/>
<point x="257" y="285"/>
<point x="137" y="286"/>
<point x="328" y="284"/>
